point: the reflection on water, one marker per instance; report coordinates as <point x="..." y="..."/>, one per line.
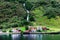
<point x="30" y="37"/>
<point x="33" y="37"/>
<point x="15" y="36"/>
<point x="5" y="37"/>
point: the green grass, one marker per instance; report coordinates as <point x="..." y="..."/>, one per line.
<point x="51" y="29"/>
<point x="33" y="1"/>
<point x="22" y="28"/>
<point x="9" y="29"/>
<point x="43" y="20"/>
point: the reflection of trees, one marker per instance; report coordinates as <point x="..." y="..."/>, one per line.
<point x="8" y="37"/>
<point x="5" y="37"/>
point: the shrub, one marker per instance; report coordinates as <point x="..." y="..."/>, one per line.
<point x="3" y="30"/>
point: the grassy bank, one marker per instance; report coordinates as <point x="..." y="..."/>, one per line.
<point x="9" y="29"/>
<point x="51" y="29"/>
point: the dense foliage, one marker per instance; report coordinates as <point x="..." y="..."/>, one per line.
<point x="42" y="12"/>
<point x="47" y="13"/>
<point x="11" y="14"/>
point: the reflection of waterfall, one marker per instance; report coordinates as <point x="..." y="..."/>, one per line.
<point x="15" y="36"/>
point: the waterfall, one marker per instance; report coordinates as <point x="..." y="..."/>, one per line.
<point x="24" y="4"/>
<point x="27" y="15"/>
<point x="27" y="12"/>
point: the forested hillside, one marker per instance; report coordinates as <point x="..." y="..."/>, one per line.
<point x="47" y="13"/>
<point x="41" y="12"/>
<point x="11" y="13"/>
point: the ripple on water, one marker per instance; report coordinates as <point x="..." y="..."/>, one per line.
<point x="30" y="37"/>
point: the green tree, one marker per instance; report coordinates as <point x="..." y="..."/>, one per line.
<point x="11" y="13"/>
<point x="28" y="6"/>
<point x="52" y="9"/>
<point x="22" y="1"/>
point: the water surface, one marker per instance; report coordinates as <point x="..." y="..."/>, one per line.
<point x="30" y="37"/>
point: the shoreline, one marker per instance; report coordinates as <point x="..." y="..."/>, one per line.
<point x="31" y="33"/>
<point x="43" y="33"/>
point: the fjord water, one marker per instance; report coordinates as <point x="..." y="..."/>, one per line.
<point x="30" y="37"/>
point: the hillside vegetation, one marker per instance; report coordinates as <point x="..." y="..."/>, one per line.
<point x="11" y="14"/>
<point x="43" y="20"/>
<point x="42" y="12"/>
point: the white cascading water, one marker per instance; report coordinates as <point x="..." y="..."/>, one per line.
<point x="27" y="13"/>
<point x="24" y="4"/>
